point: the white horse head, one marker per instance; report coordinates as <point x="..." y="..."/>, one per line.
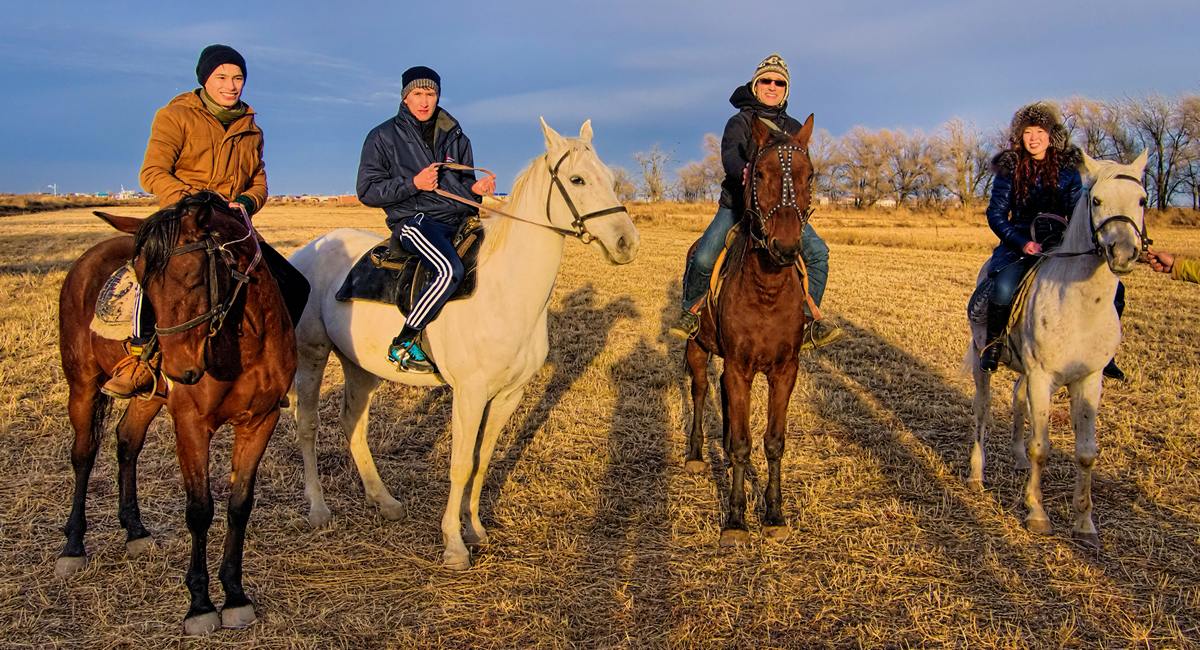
<point x="580" y="197"/>
<point x="1116" y="205"/>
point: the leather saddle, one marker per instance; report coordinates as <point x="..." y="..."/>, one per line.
<point x="388" y="274"/>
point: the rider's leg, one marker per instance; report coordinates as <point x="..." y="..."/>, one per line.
<point x="698" y="272"/>
<point x="292" y="284"/>
<point x="815" y="253"/>
<point x="1112" y="371"/>
<point x="433" y="242"/>
<point x="1006" y="279"/>
<point x="134" y="374"/>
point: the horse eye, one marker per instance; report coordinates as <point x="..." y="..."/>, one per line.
<point x="577" y="180"/>
<point x="1142" y="202"/>
<point x="1096" y="201"/>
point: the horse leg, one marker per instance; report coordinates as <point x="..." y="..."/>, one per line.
<point x="86" y="407"/>
<point x="1085" y="400"/>
<point x="735" y="394"/>
<point x="356" y="407"/>
<point x="310" y="369"/>
<point x="697" y="363"/>
<point x="495" y="416"/>
<point x="131" y="434"/>
<point x="1037" y="393"/>
<point x="249" y="442"/>
<point x="467" y="413"/>
<point x="781" y="382"/>
<point x="1020" y="409"/>
<point x="191" y="447"/>
<point x="982" y="407"/>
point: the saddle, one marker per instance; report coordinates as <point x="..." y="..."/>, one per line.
<point x="977" y="305"/>
<point x="116" y="304"/>
<point x="388" y="274"/>
<point x="736" y="245"/>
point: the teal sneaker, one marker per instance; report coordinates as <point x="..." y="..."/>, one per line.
<point x="409" y="357"/>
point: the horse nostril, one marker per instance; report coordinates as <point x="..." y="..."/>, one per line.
<point x="622" y="245"/>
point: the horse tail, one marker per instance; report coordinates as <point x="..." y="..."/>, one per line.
<point x="101" y="408"/>
<point x="970" y="358"/>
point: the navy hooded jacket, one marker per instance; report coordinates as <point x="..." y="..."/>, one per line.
<point x="394" y="153"/>
<point x="1010" y="218"/>
<point x="735" y="143"/>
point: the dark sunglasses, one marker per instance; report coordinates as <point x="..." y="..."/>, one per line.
<point x="778" y="82"/>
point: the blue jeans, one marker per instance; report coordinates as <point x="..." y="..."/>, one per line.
<point x="699" y="269"/>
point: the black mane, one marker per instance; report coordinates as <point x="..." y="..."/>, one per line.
<point x="157" y="235"/>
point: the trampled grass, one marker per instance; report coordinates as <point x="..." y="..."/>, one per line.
<point x="598" y="537"/>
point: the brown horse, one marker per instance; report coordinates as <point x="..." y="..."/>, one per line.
<point x="229" y="353"/>
<point x="757" y="323"/>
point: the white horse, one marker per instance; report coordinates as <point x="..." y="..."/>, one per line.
<point x="1068" y="333"/>
<point x="487" y="347"/>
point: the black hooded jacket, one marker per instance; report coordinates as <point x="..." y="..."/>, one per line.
<point x="735" y="143"/>
<point x="394" y="153"/>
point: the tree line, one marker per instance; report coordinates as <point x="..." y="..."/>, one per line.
<point x="952" y="165"/>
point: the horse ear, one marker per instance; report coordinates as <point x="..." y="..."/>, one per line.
<point x="585" y="132"/>
<point x="760" y="133"/>
<point x="1090" y="165"/>
<point x="805" y="133"/>
<point x="124" y="224"/>
<point x="1139" y="163"/>
<point x="553" y="139"/>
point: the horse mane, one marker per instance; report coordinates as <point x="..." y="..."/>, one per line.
<point x="1078" y="235"/>
<point x="156" y="237"/>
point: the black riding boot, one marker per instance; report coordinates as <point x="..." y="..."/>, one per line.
<point x="997" y="321"/>
<point x="1111" y="370"/>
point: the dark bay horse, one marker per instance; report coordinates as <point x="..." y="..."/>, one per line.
<point x="757" y="322"/>
<point x="229" y="354"/>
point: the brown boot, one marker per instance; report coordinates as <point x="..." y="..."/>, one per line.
<point x="130" y="377"/>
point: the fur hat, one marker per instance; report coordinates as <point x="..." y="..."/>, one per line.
<point x="1046" y="115"/>
<point x="773" y="63"/>
<point x="213" y="57"/>
<point x="420" y="77"/>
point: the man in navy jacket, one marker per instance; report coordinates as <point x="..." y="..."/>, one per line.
<point x="399" y="170"/>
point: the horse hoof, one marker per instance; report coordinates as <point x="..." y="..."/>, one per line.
<point x="734" y="537"/>
<point x="1039" y="526"/>
<point x="456" y="562"/>
<point x="695" y="467"/>
<point x="238" y="618"/>
<point x="975" y="484"/>
<point x="138" y="547"/>
<point x="392" y="511"/>
<point x="777" y="533"/>
<point x="1091" y="541"/>
<point x="319" y="517"/>
<point x="202" y="624"/>
<point x="65" y="567"/>
<point x="473" y="540"/>
<point x="1021" y="462"/>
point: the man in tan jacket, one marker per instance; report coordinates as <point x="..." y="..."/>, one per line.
<point x="205" y="139"/>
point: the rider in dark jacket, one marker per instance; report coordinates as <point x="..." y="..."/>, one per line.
<point x="399" y="170"/>
<point x="1038" y="174"/>
<point x="764" y="97"/>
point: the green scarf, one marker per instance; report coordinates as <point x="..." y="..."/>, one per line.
<point x="225" y="116"/>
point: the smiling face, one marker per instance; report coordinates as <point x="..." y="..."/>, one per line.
<point x="421" y="102"/>
<point x="1036" y="141"/>
<point x="771" y="89"/>
<point x="225" y="84"/>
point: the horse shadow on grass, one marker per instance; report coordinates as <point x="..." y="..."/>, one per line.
<point x="577" y="333"/>
<point x="917" y="432"/>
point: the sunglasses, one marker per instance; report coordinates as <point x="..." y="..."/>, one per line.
<point x="768" y="82"/>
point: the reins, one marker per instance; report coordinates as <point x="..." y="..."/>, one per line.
<point x="578" y="227"/>
<point x="1142" y="233"/>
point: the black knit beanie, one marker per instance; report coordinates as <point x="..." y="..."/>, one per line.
<point x="213" y="57"/>
<point x="420" y="77"/>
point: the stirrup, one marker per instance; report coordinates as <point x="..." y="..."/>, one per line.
<point x="407" y="356"/>
<point x="685" y="326"/>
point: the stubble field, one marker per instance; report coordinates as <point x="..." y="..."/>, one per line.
<point x="598" y="537"/>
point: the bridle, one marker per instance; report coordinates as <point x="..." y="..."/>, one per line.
<point x="218" y="308"/>
<point x="1098" y="250"/>
<point x="786" y="152"/>
<point x="578" y="227"/>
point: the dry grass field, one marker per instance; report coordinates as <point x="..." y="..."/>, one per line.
<point x="598" y="537"/>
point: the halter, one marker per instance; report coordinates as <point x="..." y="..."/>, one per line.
<point x="218" y="309"/>
<point x="578" y="228"/>
<point x="1098" y="250"/>
<point x="786" y="152"/>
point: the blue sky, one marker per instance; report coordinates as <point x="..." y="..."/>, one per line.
<point x="84" y="79"/>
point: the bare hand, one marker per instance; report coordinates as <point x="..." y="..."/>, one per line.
<point x="1032" y="248"/>
<point x="427" y="179"/>
<point x="241" y="209"/>
<point x="1161" y="262"/>
<point x="745" y="174"/>
<point x="485" y="186"/>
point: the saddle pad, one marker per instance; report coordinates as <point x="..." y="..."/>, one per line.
<point x="116" y="304"/>
<point x="398" y="282"/>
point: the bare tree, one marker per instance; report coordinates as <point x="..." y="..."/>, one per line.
<point x="861" y="173"/>
<point x="1086" y="121"/>
<point x="653" y="163"/>
<point x="908" y="163"/>
<point x="623" y="184"/>
<point x="1189" y="113"/>
<point x="701" y="181"/>
<point x="1159" y="127"/>
<point x="965" y="161"/>
<point x="823" y="153"/>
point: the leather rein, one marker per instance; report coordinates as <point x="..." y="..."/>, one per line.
<point x="1098" y="250"/>
<point x="578" y="227"/>
<point x="218" y="309"/>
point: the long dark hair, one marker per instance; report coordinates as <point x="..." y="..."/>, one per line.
<point x="1030" y="173"/>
